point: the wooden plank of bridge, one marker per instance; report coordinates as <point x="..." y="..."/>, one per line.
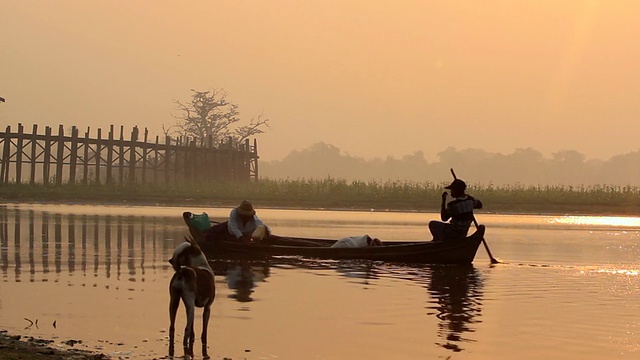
<point x="255" y="159"/>
<point x="60" y="155"/>
<point x="4" y="171"/>
<point x="46" y="168"/>
<point x="34" y="148"/>
<point x="85" y="157"/>
<point x="246" y="163"/>
<point x="98" y="155"/>
<point x="121" y="156"/>
<point x="73" y="156"/>
<point x="167" y="160"/>
<point x="155" y="159"/>
<point x="109" y="164"/>
<point x="144" y="156"/>
<point x="19" y="146"/>
<point x="132" y="155"/>
<point x="176" y="160"/>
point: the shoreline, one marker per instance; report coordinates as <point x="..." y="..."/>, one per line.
<point x="331" y="194"/>
<point x="525" y="210"/>
<point x="14" y="347"/>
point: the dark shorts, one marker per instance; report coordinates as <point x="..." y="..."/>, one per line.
<point x="442" y="231"/>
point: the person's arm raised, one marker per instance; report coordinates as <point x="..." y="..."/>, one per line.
<point x="444" y="214"/>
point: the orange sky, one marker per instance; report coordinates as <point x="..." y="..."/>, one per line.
<point x="374" y="78"/>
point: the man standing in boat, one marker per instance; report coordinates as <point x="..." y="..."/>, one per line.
<point x="459" y="213"/>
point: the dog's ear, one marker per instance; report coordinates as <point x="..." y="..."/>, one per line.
<point x="174" y="264"/>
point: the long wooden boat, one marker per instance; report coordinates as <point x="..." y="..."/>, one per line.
<point x="461" y="251"/>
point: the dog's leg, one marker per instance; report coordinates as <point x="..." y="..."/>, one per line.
<point x="206" y="313"/>
<point x="174" y="302"/>
<point x="189" y="334"/>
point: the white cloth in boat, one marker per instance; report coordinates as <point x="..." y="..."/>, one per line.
<point x="354" y="241"/>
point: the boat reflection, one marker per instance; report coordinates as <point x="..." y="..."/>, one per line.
<point x="455" y="291"/>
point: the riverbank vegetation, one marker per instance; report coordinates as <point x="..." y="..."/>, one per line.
<point x="330" y="193"/>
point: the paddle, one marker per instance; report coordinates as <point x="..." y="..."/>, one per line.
<point x="475" y="222"/>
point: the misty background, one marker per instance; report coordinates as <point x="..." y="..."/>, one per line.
<point x="476" y="166"/>
<point x="532" y="92"/>
<point x="374" y="78"/>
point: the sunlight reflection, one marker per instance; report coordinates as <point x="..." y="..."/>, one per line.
<point x="620" y="221"/>
<point x="619" y="271"/>
<point x="624" y="272"/>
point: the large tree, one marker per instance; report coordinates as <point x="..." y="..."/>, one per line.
<point x="209" y="114"/>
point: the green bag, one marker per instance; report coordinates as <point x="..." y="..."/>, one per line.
<point x="201" y="221"/>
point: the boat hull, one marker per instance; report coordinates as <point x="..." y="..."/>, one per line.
<point x="461" y="251"/>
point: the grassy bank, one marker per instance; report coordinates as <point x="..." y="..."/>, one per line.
<point x="340" y="194"/>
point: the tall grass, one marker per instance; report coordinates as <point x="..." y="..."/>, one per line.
<point x="342" y="194"/>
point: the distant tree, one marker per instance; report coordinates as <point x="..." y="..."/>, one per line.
<point x="623" y="169"/>
<point x="209" y="114"/>
<point x="525" y="166"/>
<point x="568" y="156"/>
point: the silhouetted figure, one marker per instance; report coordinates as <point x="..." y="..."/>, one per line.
<point x="459" y="213"/>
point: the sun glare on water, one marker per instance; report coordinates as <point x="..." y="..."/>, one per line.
<point x="631" y="272"/>
<point x="616" y="221"/>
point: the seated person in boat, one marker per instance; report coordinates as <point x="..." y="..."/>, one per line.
<point x="243" y="225"/>
<point x="357" y="241"/>
<point x="459" y="213"/>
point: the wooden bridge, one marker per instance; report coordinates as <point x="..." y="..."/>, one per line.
<point x="58" y="158"/>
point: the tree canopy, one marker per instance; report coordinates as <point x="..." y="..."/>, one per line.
<point x="209" y="114"/>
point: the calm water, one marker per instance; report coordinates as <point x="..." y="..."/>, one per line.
<point x="567" y="287"/>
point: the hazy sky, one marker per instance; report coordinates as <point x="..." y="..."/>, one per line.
<point x="372" y="77"/>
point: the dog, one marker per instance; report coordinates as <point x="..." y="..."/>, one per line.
<point x="193" y="283"/>
<point x="357" y="241"/>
